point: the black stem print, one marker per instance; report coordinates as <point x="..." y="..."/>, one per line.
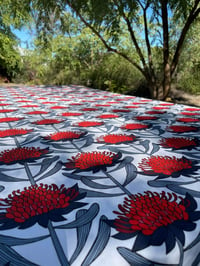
<point x="181" y="252"/>
<point x="126" y="191"/>
<point x="59" y="250"/>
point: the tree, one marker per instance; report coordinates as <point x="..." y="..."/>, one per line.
<point x="147" y="23"/>
<point x="13" y="14"/>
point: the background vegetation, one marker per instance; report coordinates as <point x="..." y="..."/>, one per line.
<point x="67" y="52"/>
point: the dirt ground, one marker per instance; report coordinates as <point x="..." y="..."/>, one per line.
<point x="176" y="96"/>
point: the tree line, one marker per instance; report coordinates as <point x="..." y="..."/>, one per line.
<point x="118" y="45"/>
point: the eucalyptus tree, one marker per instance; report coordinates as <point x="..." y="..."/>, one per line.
<point x="147" y="24"/>
<point x="13" y="15"/>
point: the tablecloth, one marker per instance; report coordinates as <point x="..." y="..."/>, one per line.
<point x="90" y="177"/>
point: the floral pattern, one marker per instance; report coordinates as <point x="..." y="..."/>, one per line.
<point x="89" y="176"/>
<point x="155" y="218"/>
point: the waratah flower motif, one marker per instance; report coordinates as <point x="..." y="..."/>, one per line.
<point x="155" y="218"/>
<point x="65" y="135"/>
<point x="14" y="132"/>
<point x="38" y="204"/>
<point x="116" y="138"/>
<point x="88" y="124"/>
<point x="134" y="126"/>
<point x="72" y="114"/>
<point x="165" y="166"/>
<point x="187" y="120"/>
<point x="146" y="117"/>
<point x="92" y="161"/>
<point x="179" y="143"/>
<point x="10" y="119"/>
<point x="182" y="129"/>
<point x="108" y="116"/>
<point x="22" y="154"/>
<point x="47" y="122"/>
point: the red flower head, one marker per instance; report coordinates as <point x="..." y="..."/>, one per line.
<point x="182" y="129"/>
<point x="94" y="161"/>
<point x="10" y="119"/>
<point x="192" y="109"/>
<point x="38" y="204"/>
<point x="14" y="132"/>
<point x="146" y="117"/>
<point x="37" y="113"/>
<point x="65" y="135"/>
<point x="116" y="138"/>
<point x="47" y="122"/>
<point x="89" y="109"/>
<point x="165" y="166"/>
<point x="72" y="114"/>
<point x="29" y="106"/>
<point x="19" y="155"/>
<point x="179" y="143"/>
<point x="120" y="111"/>
<point x="107" y="116"/>
<point x="187" y="120"/>
<point x="190" y="113"/>
<point x="134" y="126"/>
<point x="4" y="104"/>
<point x="155" y="218"/>
<point x="155" y="112"/>
<point x="8" y="110"/>
<point x="89" y="124"/>
<point x="58" y="107"/>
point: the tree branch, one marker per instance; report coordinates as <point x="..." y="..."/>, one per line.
<point x="133" y="38"/>
<point x="108" y="47"/>
<point x="192" y="16"/>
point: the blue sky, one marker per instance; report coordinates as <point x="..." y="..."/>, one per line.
<point x="25" y="37"/>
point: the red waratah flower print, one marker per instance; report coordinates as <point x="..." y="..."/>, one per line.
<point x="160" y="107"/>
<point x="38" y="204"/>
<point x="47" y="122"/>
<point x="192" y="109"/>
<point x="134" y="126"/>
<point x="72" y="114"/>
<point x="146" y="117"/>
<point x="65" y="135"/>
<point x="182" y="129"/>
<point x="7" y="110"/>
<point x="4" y="104"/>
<point x="37" y="113"/>
<point x="165" y="166"/>
<point x="108" y="116"/>
<point x="120" y="110"/>
<point x="188" y="113"/>
<point x="102" y="105"/>
<point x="10" y="119"/>
<point x="49" y="102"/>
<point x="155" y="112"/>
<point x="94" y="161"/>
<point x="29" y="106"/>
<point x="14" y="132"/>
<point x="116" y="138"/>
<point x="58" y="107"/>
<point x="187" y="120"/>
<point x="22" y="154"/>
<point x="89" y="124"/>
<point x="89" y="109"/>
<point x="179" y="143"/>
<point x="155" y="218"/>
